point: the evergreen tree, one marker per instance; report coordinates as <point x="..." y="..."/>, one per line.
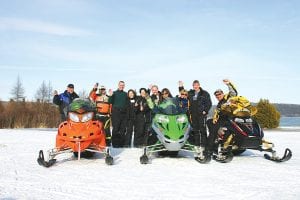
<point x="267" y="115"/>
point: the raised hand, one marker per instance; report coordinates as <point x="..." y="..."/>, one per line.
<point x="226" y="81"/>
<point x="110" y="92"/>
<point x="150" y="86"/>
<point x="180" y="83"/>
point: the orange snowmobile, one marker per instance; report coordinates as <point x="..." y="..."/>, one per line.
<point x="80" y="134"/>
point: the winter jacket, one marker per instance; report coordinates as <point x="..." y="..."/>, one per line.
<point x="63" y="100"/>
<point x="131" y="108"/>
<point x="156" y="99"/>
<point x="142" y="102"/>
<point x="218" y="114"/>
<point x="101" y="102"/>
<point x="119" y="100"/>
<point x="200" y="102"/>
<point x="183" y="102"/>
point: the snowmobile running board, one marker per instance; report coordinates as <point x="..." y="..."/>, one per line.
<point x="287" y="156"/>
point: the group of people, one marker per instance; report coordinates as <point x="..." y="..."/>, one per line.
<point x="130" y="115"/>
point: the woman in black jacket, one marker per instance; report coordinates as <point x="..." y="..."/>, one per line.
<point x="130" y="127"/>
<point x="142" y="118"/>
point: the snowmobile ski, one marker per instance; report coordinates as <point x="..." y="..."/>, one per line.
<point x="109" y="160"/>
<point x="203" y="160"/>
<point x="224" y="157"/>
<point x="42" y="162"/>
<point x="144" y="159"/>
<point x="287" y="155"/>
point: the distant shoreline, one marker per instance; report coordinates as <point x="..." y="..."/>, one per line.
<point x="285" y="128"/>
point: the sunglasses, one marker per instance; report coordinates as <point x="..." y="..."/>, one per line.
<point x="184" y="94"/>
<point x="218" y="94"/>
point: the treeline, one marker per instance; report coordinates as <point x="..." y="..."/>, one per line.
<point x="38" y="113"/>
<point x="21" y="114"/>
<point x="288" y="110"/>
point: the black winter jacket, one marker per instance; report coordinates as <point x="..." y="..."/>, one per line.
<point x="201" y="102"/>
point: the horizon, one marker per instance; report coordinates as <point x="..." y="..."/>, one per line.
<point x="255" y="44"/>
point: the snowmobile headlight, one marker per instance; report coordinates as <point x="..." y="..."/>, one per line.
<point x="74" y="117"/>
<point x="163" y="119"/>
<point x="86" y="117"/>
<point x="181" y="119"/>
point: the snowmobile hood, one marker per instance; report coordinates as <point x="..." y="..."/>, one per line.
<point x="81" y="106"/>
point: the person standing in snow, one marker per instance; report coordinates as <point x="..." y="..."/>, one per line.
<point x="64" y="99"/>
<point x="131" y="120"/>
<point x="142" y="118"/>
<point x="103" y="109"/>
<point x="119" y="100"/>
<point x="199" y="106"/>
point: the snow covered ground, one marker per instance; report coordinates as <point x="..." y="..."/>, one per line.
<point x="247" y="177"/>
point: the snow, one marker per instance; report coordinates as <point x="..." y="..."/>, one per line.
<point x="247" y="177"/>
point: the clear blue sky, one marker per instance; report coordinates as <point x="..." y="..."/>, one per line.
<point x="255" y="43"/>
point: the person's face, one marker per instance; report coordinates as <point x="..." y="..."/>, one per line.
<point x="121" y="86"/>
<point x="70" y="90"/>
<point x="154" y="90"/>
<point x="196" y="86"/>
<point x="165" y="94"/>
<point x="183" y="95"/>
<point x="143" y="93"/>
<point x="130" y="94"/>
<point x="103" y="91"/>
<point x="219" y="96"/>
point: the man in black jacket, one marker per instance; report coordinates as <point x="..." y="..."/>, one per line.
<point x="63" y="100"/>
<point x="119" y="100"/>
<point x="199" y="106"/>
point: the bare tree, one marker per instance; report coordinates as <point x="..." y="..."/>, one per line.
<point x="83" y="94"/>
<point x="49" y="95"/>
<point x="43" y="94"/>
<point x="18" y="91"/>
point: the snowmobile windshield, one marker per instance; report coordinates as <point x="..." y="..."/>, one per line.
<point x="170" y="106"/>
<point x="81" y="106"/>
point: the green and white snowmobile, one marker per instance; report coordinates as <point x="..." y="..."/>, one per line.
<point x="170" y="130"/>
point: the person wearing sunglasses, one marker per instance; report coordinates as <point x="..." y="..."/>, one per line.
<point x="219" y="118"/>
<point x="183" y="99"/>
<point x="199" y="106"/>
